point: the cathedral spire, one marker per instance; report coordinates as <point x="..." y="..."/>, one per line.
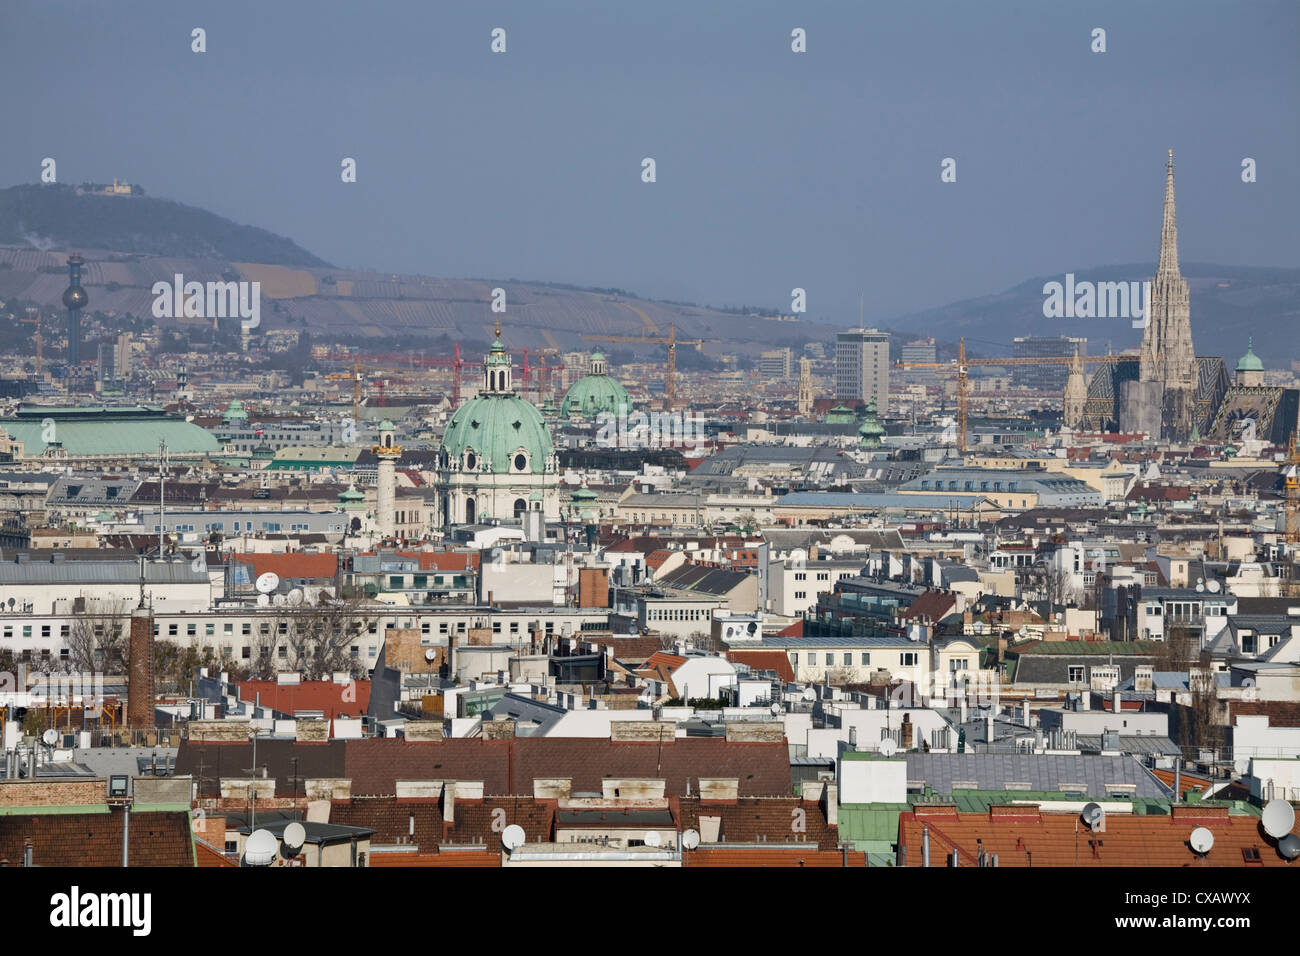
<point x="1169" y="226"/>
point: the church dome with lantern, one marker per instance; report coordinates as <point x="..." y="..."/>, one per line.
<point x="595" y="393"/>
<point x="496" y="459"/>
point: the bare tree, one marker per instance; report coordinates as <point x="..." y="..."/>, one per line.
<point x="98" y="637"/>
<point x="318" y="638"/>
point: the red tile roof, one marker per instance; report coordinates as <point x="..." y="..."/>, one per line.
<point x="293" y="565"/>
<point x="794" y="630"/>
<point x="160" y="838"/>
<point x="351" y="699"/>
<point x="765" y="661"/>
<point x="1061" y="839"/>
<point x="760" y="856"/>
<point x="506" y="767"/>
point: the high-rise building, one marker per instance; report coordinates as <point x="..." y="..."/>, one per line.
<point x="776" y="365"/>
<point x="862" y="367"/>
<point x="1050" y="376"/>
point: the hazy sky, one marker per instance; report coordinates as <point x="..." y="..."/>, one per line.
<point x="775" y="169"/>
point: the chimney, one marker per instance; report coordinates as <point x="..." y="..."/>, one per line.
<point x="925" y="846"/>
<point x="907" y="732"/>
<point x="1118" y="705"/>
<point x="988" y="728"/>
<point x="449" y="802"/>
<point x="1178" y="780"/>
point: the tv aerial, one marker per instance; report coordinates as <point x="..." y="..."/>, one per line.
<point x="1278" y="819"/>
<point x="513" y="837"/>
<point x="1201" y="840"/>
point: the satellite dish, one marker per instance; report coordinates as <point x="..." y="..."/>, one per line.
<point x="1201" y="840"/>
<point x="278" y="600"/>
<point x="652" y="838"/>
<point x="1200" y="586"/>
<point x="268" y="582"/>
<point x="430" y="654"/>
<point x="809" y="694"/>
<point x="1092" y="814"/>
<point x="691" y="839"/>
<point x="260" y="848"/>
<point x="512" y="837"/>
<point x="1278" y="818"/>
<point x="295" y="834"/>
<point x="1023" y="632"/>
<point x="295" y="597"/>
<point x="1289" y="846"/>
<point x="263" y="600"/>
<point x="1213" y="586"/>
<point x="50" y="737"/>
<point x="776" y="709"/>
<point x="888" y="748"/>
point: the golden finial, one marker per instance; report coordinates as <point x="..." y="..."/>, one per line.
<point x="498" y="333"/>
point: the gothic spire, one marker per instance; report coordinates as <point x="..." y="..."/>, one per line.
<point x="1169" y="227"/>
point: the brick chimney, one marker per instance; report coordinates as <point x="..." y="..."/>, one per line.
<point x="139" y="686"/>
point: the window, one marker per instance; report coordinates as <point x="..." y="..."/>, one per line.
<point x="848" y="659"/>
<point x="907" y="659"/>
<point x="1076" y="673"/>
<point x="866" y="659"/>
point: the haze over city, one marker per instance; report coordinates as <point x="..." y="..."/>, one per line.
<point x="775" y="170"/>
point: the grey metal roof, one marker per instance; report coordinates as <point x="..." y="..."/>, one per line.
<point x="126" y="573"/>
<point x="1093" y="772"/>
<point x="1140" y="744"/>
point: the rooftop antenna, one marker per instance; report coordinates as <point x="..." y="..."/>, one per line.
<point x="141" y="605"/>
<point x="162" y="481"/>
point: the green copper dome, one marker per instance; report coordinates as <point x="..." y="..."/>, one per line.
<point x="1250" y="361"/>
<point x="234" y="412"/>
<point x="595" y="392"/>
<point x="870" y="431"/>
<point x="496" y="431"/>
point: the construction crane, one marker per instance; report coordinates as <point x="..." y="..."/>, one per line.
<point x="34" y="318"/>
<point x="672" y="341"/>
<point x="963" y="364"/>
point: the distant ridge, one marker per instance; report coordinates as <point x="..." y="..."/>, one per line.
<point x="59" y="215"/>
<point x="1230" y="304"/>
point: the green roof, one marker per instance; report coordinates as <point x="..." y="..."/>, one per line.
<point x="496" y="427"/>
<point x="591" y="395"/>
<point x="1250" y="361"/>
<point x="106" y="431"/>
